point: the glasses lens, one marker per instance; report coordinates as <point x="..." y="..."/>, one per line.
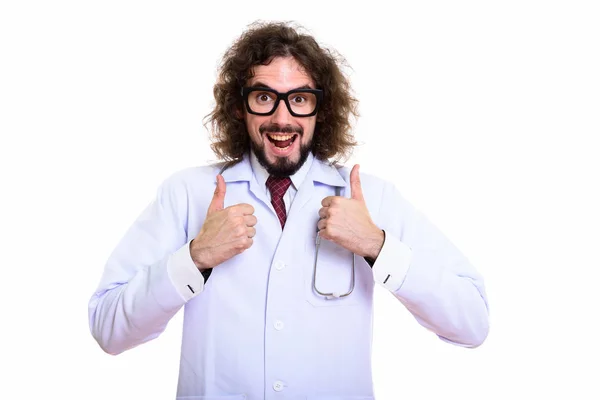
<point x="261" y="101"/>
<point x="301" y="103"/>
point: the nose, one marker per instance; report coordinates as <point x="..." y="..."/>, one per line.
<point x="281" y="115"/>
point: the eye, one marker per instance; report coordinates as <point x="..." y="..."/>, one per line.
<point x="298" y="99"/>
<point x="264" y="97"/>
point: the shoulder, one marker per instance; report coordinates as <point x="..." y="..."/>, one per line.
<point x="381" y="195"/>
<point x="196" y="174"/>
<point x="191" y="179"/>
<point x="368" y="180"/>
<point x="373" y="187"/>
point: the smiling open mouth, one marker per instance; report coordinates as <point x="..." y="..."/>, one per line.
<point x="281" y="141"/>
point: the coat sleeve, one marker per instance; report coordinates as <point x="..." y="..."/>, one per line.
<point x="425" y="271"/>
<point x="136" y="297"/>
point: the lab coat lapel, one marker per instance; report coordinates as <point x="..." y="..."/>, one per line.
<point x="242" y="171"/>
<point x="321" y="172"/>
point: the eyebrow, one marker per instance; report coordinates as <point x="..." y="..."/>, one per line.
<point x="261" y="84"/>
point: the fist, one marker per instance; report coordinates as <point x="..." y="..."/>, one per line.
<point x="347" y="222"/>
<point x="226" y="231"/>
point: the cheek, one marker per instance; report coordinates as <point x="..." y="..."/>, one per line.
<point x="252" y="126"/>
<point x="309" y="130"/>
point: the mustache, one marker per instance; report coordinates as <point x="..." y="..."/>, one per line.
<point x="276" y="128"/>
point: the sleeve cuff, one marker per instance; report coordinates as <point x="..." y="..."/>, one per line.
<point x="184" y="274"/>
<point x="392" y="263"/>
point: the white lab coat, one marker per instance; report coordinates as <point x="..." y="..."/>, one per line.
<point x="257" y="330"/>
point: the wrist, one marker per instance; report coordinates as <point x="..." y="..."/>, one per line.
<point x="197" y="257"/>
<point x="375" y="243"/>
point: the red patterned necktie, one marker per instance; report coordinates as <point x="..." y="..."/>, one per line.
<point x="278" y="187"/>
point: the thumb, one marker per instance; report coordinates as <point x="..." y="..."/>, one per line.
<point x="355" y="187"/>
<point x="218" y="199"/>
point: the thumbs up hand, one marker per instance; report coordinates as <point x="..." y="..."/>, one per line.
<point x="226" y="231"/>
<point x="348" y="223"/>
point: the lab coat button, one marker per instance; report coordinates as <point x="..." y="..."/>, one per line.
<point x="278" y="325"/>
<point x="278" y="386"/>
<point x="279" y="265"/>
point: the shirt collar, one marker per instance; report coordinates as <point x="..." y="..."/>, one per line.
<point x="262" y="175"/>
<point x="319" y="171"/>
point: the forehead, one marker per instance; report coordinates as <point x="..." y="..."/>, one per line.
<point x="282" y="74"/>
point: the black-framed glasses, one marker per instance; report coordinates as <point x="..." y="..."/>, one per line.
<point x="299" y="102"/>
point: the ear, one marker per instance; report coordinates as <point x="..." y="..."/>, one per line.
<point x="239" y="114"/>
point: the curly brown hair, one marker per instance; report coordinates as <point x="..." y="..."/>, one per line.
<point x="258" y="46"/>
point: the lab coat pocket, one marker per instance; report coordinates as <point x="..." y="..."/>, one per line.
<point x="333" y="276"/>
<point x="226" y="397"/>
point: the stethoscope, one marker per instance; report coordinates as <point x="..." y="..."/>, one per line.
<point x="331" y="295"/>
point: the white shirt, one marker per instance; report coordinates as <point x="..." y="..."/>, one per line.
<point x="261" y="175"/>
<point x="257" y="329"/>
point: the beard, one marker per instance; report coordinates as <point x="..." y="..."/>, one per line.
<point x="282" y="166"/>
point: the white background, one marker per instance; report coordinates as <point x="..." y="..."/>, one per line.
<point x="485" y="115"/>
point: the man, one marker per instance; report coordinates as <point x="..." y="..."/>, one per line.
<point x="236" y="243"/>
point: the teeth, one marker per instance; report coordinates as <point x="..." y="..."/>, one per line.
<point x="280" y="137"/>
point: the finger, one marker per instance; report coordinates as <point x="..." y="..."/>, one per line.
<point x="322" y="224"/>
<point x="323" y="212"/>
<point x="241" y="209"/>
<point x="246" y="209"/>
<point x="251" y="232"/>
<point x="355" y="187"/>
<point x="323" y="234"/>
<point x="218" y="200"/>
<point x="244" y="244"/>
<point x="328" y="201"/>
<point x="250" y="220"/>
